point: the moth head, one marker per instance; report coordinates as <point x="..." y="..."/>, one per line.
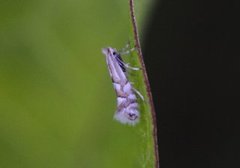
<point x="109" y="51"/>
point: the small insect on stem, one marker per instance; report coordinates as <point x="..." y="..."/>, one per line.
<point x="127" y="106"/>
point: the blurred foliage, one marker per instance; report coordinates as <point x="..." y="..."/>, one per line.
<point x="56" y="96"/>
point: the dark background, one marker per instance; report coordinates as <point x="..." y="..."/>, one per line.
<point x="191" y="51"/>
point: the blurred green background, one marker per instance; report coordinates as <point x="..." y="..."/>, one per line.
<point x="56" y="97"/>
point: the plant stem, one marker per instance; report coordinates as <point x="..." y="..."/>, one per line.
<point x="146" y="81"/>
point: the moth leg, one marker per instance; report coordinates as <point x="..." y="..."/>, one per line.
<point x="138" y="93"/>
<point x="126" y="47"/>
<point x="132" y="68"/>
<point x="128" y="66"/>
<point x="127" y="52"/>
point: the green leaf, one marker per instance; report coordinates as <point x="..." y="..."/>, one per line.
<point x="148" y="124"/>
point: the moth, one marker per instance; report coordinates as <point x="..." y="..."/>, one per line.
<point x="127" y="107"/>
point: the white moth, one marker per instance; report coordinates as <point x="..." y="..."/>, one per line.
<point x="127" y="106"/>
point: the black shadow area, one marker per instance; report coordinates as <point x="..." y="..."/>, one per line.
<point x="191" y="50"/>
